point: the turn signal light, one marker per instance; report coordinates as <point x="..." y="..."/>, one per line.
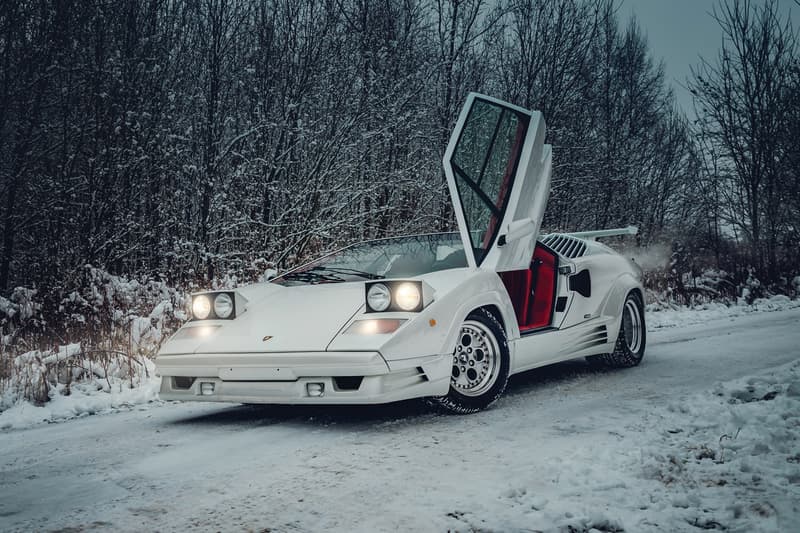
<point x="377" y="326"/>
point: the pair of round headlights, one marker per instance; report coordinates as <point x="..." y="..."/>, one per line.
<point x="407" y="297"/>
<point x="222" y="305"/>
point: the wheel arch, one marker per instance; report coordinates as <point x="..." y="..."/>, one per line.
<point x="622" y="356"/>
<point x="462" y="399"/>
<point x="496" y="303"/>
<point x="615" y="300"/>
<point x="493" y="310"/>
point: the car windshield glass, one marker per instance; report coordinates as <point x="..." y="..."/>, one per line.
<point x="399" y="257"/>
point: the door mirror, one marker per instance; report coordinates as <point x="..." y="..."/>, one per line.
<point x="517" y="230"/>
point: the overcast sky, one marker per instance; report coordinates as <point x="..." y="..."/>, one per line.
<point x="680" y="31"/>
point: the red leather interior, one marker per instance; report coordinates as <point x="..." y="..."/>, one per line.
<point x="533" y="291"/>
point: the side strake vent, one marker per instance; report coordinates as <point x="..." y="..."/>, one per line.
<point x="596" y="336"/>
<point x="565" y="245"/>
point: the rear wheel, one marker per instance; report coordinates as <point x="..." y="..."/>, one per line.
<point x="480" y="365"/>
<point x="632" y="337"/>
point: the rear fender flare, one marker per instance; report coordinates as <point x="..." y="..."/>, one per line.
<point x="615" y="300"/>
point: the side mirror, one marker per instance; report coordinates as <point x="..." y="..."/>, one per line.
<point x="517" y="230"/>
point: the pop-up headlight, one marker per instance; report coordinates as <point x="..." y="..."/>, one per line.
<point x="408" y="296"/>
<point x="379" y="298"/>
<point x="201" y="306"/>
<point x="397" y="295"/>
<point x="214" y="305"/>
<point x="223" y="305"/>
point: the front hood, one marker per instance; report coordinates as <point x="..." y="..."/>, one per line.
<point x="296" y="319"/>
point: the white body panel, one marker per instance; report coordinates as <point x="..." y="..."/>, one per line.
<point x="284" y="314"/>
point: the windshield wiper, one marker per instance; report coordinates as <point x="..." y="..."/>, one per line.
<point x="323" y="274"/>
<point x="351" y="271"/>
<point x="312" y="275"/>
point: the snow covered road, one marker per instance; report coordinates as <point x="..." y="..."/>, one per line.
<point x="703" y="435"/>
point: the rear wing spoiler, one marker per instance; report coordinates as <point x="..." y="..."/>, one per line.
<point x="593" y="235"/>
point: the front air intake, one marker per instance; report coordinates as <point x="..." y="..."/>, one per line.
<point x="348" y="383"/>
<point x="182" y="382"/>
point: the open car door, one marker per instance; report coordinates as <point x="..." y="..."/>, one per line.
<point x="498" y="171"/>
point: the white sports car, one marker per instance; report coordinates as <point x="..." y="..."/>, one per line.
<point x="447" y="316"/>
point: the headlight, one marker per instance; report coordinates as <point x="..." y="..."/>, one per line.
<point x="214" y="305"/>
<point x="398" y="296"/>
<point x="201" y="307"/>
<point x="223" y="305"/>
<point x="378" y="297"/>
<point x="407" y="296"/>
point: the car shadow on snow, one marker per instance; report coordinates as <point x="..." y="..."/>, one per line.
<point x="559" y="374"/>
<point x="317" y="415"/>
<point x="353" y="416"/>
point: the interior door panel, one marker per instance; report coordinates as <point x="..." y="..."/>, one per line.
<point x="533" y="291"/>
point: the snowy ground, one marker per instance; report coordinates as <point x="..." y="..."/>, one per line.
<point x="705" y="434"/>
<point x="660" y="317"/>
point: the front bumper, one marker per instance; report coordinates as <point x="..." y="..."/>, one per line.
<point x="295" y="378"/>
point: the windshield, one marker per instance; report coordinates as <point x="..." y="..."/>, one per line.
<point x="399" y="257"/>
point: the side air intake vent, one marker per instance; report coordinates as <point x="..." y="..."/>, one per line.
<point x="565" y="245"/>
<point x="597" y="336"/>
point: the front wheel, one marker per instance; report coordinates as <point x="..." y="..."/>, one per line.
<point x="480" y="365"/>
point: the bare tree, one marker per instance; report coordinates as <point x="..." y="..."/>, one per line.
<point x="203" y="141"/>
<point x="741" y="97"/>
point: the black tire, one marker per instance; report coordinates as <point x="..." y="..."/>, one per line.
<point x="472" y="389"/>
<point x="632" y="338"/>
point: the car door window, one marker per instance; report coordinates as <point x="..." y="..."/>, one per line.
<point x="484" y="163"/>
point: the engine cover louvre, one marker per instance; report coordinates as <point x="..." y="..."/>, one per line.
<point x="565" y="245"/>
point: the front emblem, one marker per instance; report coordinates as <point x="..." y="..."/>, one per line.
<point x="266" y="338"/>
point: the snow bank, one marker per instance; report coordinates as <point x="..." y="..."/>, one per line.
<point x="120" y="323"/>
<point x="72" y="381"/>
<point x="724" y="459"/>
<point x="729" y="458"/>
<point x="85" y="397"/>
<point x="660" y="315"/>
